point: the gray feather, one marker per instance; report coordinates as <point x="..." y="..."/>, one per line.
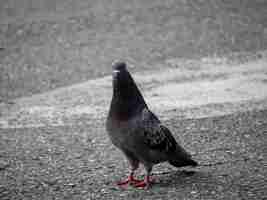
<point x="156" y="135"/>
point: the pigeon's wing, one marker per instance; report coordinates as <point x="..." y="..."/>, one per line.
<point x="156" y="136"/>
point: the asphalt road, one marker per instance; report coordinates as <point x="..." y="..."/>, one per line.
<point x="54" y="145"/>
<point x="78" y="162"/>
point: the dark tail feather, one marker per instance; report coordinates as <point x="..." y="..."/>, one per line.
<point x="183" y="163"/>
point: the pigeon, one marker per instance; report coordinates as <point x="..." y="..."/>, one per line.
<point x="138" y="132"/>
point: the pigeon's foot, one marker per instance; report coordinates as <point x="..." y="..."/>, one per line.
<point x="142" y="184"/>
<point x="145" y="184"/>
<point x="129" y="181"/>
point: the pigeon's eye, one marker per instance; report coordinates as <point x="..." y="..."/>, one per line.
<point x="115" y="71"/>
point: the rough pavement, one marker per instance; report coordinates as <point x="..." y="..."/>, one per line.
<point x="54" y="146"/>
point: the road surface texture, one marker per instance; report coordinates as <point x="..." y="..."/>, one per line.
<point x="54" y="145"/>
<point x="55" y="90"/>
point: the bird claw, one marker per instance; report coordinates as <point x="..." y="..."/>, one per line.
<point x="129" y="181"/>
<point x="142" y="184"/>
<point x="121" y="183"/>
<point x="145" y="184"/>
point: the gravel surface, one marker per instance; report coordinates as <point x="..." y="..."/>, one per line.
<point x="79" y="162"/>
<point x="53" y="145"/>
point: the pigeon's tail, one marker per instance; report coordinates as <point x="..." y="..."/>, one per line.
<point x="183" y="162"/>
<point x="181" y="158"/>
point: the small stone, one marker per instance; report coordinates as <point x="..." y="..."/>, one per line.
<point x="20" y="32"/>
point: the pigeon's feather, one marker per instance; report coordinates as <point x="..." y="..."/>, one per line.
<point x="160" y="140"/>
<point x="156" y="135"/>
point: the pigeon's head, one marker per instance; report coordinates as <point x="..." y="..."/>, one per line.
<point x="120" y="73"/>
<point x="124" y="85"/>
<point x="119" y="69"/>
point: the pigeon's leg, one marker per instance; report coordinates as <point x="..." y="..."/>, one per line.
<point x="134" y="163"/>
<point x="147" y="181"/>
<point x="130" y="179"/>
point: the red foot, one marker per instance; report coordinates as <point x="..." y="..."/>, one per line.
<point x="130" y="180"/>
<point x="142" y="184"/>
<point x="145" y="183"/>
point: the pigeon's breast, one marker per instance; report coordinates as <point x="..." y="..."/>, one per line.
<point x="123" y="133"/>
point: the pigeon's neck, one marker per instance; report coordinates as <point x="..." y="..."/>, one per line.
<point x="122" y="111"/>
<point x="127" y="101"/>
